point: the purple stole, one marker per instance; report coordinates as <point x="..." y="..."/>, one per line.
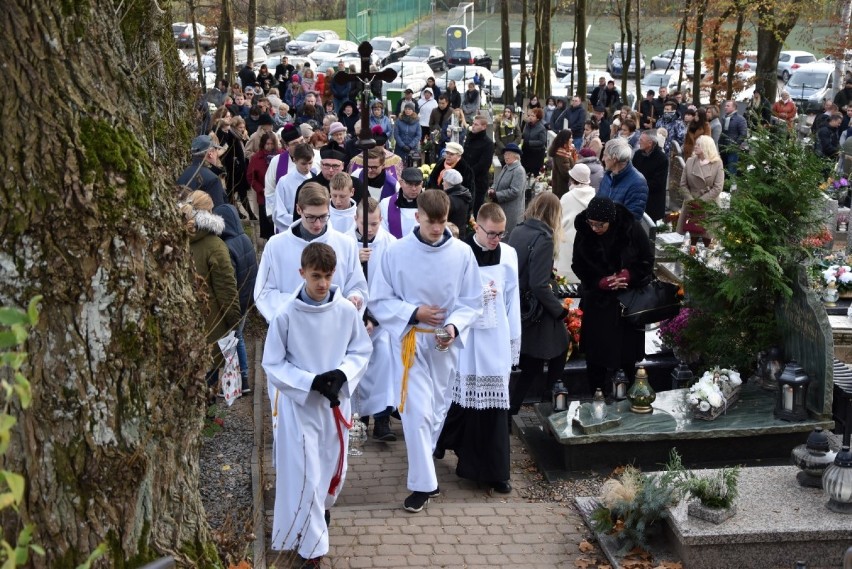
<point x="388" y="189"/>
<point x="283" y="165"/>
<point x="394" y="217"/>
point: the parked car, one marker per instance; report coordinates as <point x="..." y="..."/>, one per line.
<point x="563" y="87"/>
<point x="790" y="61"/>
<point x="810" y="85"/>
<point x="670" y="59"/>
<point x="515" y="54"/>
<point x="275" y="40"/>
<point x="464" y="74"/>
<point x="351" y="57"/>
<point x="240" y="36"/>
<point x="431" y="55"/>
<point x="307" y="41"/>
<point x="469" y="56"/>
<point x="409" y="75"/>
<point x="498" y="82"/>
<point x="329" y="51"/>
<point x="614" y="64"/>
<point x="388" y="49"/>
<point x="659" y="78"/>
<point x="297" y="61"/>
<point x="240" y="57"/>
<point x="184" y="35"/>
<point x="565" y="59"/>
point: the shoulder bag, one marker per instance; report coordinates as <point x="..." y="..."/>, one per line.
<point x="653" y="302"/>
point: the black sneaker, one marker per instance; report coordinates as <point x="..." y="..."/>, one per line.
<point x="312" y="563"/>
<point x="438" y="453"/>
<point x="415" y="502"/>
<point x="435" y="493"/>
<point x="382" y="432"/>
<point x="246" y="388"/>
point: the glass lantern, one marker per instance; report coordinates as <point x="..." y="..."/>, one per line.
<point x="682" y="376"/>
<point x="792" y="393"/>
<point x="559" y="397"/>
<point x="619" y="385"/>
<point x="599" y="405"/>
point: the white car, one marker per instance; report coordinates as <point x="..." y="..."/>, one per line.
<point x="790" y="61"/>
<point x="409" y="75"/>
<point x="330" y="51"/>
<point x="463" y="75"/>
<point x="498" y="83"/>
<point x="656" y="79"/>
<point x="566" y="60"/>
<point x="562" y="88"/>
<point x="670" y="59"/>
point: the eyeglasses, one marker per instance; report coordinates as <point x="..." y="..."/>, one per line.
<point x="315" y="218"/>
<point x="597" y="224"/>
<point x="372" y="167"/>
<point x="331" y="166"/>
<point x="493" y="234"/>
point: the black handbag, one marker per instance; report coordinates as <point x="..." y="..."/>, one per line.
<point x="531" y="308"/>
<point x="654" y="302"/>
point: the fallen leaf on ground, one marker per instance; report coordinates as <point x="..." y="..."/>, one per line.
<point x="586" y="547"/>
<point x="669" y="565"/>
<point x="583" y="563"/>
<point x="226" y="467"/>
<point x="241" y="565"/>
<point x="606" y="566"/>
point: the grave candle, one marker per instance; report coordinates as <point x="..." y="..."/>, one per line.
<point x="788" y="398"/>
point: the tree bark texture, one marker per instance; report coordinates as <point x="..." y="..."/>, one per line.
<point x="775" y="21"/>
<point x="700" y="10"/>
<point x="542" y="49"/>
<point x="110" y="444"/>
<point x="508" y="86"/>
<point x="580" y="49"/>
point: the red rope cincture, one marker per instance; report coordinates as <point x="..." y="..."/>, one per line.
<point x="339" y="421"/>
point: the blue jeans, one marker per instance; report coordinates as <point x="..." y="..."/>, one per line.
<point x="578" y="143"/>
<point x="730" y="159"/>
<point x="242" y="355"/>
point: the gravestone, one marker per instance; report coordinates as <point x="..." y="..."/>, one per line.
<point x="808" y="339"/>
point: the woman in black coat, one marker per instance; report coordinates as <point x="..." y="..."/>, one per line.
<point x="611" y="253"/>
<point x="545" y="340"/>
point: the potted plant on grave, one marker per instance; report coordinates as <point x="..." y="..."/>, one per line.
<point x="714" y="494"/>
<point x="714" y="393"/>
<point x="632" y="504"/>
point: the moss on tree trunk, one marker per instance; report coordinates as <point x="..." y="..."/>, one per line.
<point x="110" y="445"/>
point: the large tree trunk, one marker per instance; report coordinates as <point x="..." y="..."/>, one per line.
<point x="735" y="50"/>
<point x="701" y="9"/>
<point x="524" y="83"/>
<point x="225" y="46"/>
<point x="508" y="84"/>
<point x="541" y="55"/>
<point x="775" y="21"/>
<point x="110" y="444"/>
<point x="580" y="50"/>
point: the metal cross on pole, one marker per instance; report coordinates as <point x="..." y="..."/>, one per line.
<point x="365" y="138"/>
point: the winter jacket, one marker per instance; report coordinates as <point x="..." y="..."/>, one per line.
<point x="470" y="104"/>
<point x="461" y="204"/>
<point x="827" y="143"/>
<point x="243" y="256"/>
<point x="505" y="133"/>
<point x="628" y="188"/>
<point x="453" y="96"/>
<point x="406" y="133"/>
<point x="213" y="264"/>
<point x="463" y="168"/>
<point x="734" y="135"/>
<point x="676" y="130"/>
<point x="573" y="203"/>
<point x="509" y="186"/>
<point x="547" y="338"/>
<point x="606" y="338"/>
<point x="340" y="92"/>
<point x="382" y="121"/>
<point x="479" y="149"/>
<point x="596" y="170"/>
<point x="655" y="168"/>
<point x="576" y="120"/>
<point x="198" y="176"/>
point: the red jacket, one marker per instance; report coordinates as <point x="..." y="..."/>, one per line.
<point x="257" y="171"/>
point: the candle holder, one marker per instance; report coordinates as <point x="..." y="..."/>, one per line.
<point x="641" y="394"/>
<point x="792" y="393"/>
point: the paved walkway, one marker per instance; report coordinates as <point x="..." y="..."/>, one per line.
<point x="464" y="527"/>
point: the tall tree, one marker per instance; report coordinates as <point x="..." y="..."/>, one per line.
<point x="110" y="444"/>
<point x="740" y="7"/>
<point x="252" y="24"/>
<point x="524" y="82"/>
<point x="225" y="45"/>
<point x="541" y="52"/>
<point x="509" y="85"/>
<point x="700" y="11"/>
<point x="580" y="48"/>
<point x="775" y="21"/>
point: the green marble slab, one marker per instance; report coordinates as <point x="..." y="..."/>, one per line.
<point x="588" y="424"/>
<point x="672" y="419"/>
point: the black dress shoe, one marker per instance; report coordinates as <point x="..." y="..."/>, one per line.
<point x="438" y="453"/>
<point x="502" y="487"/>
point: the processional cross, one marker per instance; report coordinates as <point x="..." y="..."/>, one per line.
<point x="365" y="138"/>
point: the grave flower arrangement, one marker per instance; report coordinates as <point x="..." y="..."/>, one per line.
<point x="835" y="268"/>
<point x="572" y="323"/>
<point x="715" y="391"/>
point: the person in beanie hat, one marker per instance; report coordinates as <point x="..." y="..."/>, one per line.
<point x="612" y="254"/>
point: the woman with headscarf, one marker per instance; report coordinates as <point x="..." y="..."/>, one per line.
<point x="543" y="339"/>
<point x="612" y="253"/>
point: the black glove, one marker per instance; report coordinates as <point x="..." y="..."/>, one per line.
<point x="329" y="384"/>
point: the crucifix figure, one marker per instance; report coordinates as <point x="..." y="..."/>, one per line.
<point x="365" y="138"/>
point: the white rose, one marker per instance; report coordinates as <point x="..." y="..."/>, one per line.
<point x="846" y="278"/>
<point x="693" y="401"/>
<point x="704" y="406"/>
<point x="735" y="379"/>
<point x="714" y="399"/>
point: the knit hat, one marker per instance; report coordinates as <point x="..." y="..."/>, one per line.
<point x="289" y="133"/>
<point x="295" y="78"/>
<point x="452" y="177"/>
<point x="601" y="209"/>
<point x="336" y="127"/>
<point x="581" y="174"/>
<point x="408" y="105"/>
<point x="265" y="120"/>
<point x="587" y="152"/>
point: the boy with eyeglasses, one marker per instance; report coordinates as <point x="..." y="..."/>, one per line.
<point x="475" y="428"/>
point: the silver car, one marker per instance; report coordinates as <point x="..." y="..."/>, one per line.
<point x="790" y="61"/>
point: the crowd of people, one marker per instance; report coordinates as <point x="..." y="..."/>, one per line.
<point x="390" y="292"/>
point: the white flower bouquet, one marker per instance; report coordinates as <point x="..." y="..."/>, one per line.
<point x="714" y="392"/>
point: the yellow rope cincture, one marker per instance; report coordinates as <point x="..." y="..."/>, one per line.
<point x="409" y="347"/>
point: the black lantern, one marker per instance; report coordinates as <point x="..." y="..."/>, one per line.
<point x="682" y="376"/>
<point x="620" y="385"/>
<point x="792" y="393"/>
<point x="560" y="397"/>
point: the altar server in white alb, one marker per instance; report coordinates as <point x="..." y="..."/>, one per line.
<point x="314" y="412"/>
<point x="398" y="210"/>
<point x="285" y="190"/>
<point x="278" y="274"/>
<point x="376" y="391"/>
<point x="427" y="295"/>
<point x="343" y="204"/>
<point x="476" y="423"/>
